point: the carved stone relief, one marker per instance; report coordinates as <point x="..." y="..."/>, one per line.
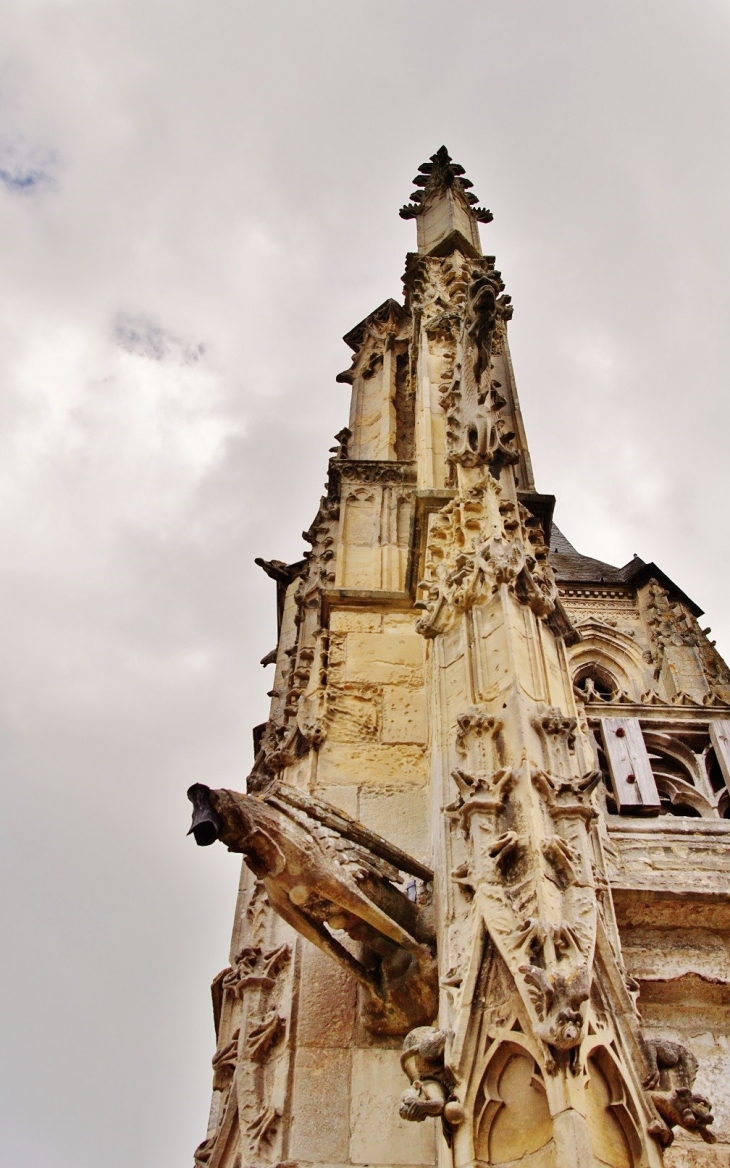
<point x="686" y="663"/>
<point x="672" y="1072"/>
<point x="477" y="543"/>
<point x="253" y="1021"/>
<point x="431" y="1091"/>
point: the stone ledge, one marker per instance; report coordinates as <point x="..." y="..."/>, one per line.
<point x="667" y="825"/>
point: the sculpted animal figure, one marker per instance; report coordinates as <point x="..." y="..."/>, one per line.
<point x="430" y="1092"/>
<point x="325" y="873"/>
<point x="558" y="999"/>
<point x="673" y="1069"/>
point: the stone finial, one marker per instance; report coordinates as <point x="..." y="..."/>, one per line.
<point x="442" y="174"/>
<point x="446" y="209"/>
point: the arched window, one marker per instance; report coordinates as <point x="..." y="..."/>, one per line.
<point x="595" y="683"/>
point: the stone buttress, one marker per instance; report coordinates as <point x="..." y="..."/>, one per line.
<point x="487" y="821"/>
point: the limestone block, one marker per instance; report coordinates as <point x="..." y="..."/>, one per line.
<point x="344" y="621"/>
<point x="361" y="567"/>
<point x="688" y="1153"/>
<point x="344" y="797"/>
<point x="399" y="622"/>
<point x="671" y="953"/>
<point x="454" y="689"/>
<point x="451" y="645"/>
<point x="321" y="1105"/>
<point x="327" y="1001"/>
<point x="370" y="765"/>
<point x="689" y="856"/>
<point x="336" y="666"/>
<point x="384" y="658"/>
<point x="400" y="815"/>
<point x="404" y="715"/>
<point x="379" y="1135"/>
<point x="354" y="716"/>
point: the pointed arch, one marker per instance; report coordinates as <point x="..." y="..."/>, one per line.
<point x="612" y="652"/>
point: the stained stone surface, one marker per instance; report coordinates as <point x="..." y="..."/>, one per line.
<point x="489" y="814"/>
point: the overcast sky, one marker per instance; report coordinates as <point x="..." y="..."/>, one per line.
<point x="197" y="199"/>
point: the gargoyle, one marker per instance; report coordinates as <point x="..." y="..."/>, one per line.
<point x="558" y="999"/>
<point x="673" y="1069"/>
<point x="325" y="872"/>
<point x="430" y="1092"/>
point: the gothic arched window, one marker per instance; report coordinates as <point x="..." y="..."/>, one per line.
<point x="595" y="683"/>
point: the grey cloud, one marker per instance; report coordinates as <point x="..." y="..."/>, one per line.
<point x="141" y="334"/>
<point x="25" y="169"/>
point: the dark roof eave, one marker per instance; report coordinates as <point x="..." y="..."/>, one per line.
<point x="643" y="572"/>
<point x="636" y="573"/>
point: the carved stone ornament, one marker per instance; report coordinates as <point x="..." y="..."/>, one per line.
<point x="476" y="433"/>
<point x="321" y="868"/>
<point x="536" y="894"/>
<point x="477" y="543"/>
<point x="672" y="1072"/>
<point x="441" y="174"/>
<point x="430" y="1094"/>
<point x="298" y="725"/>
<point x="676" y="634"/>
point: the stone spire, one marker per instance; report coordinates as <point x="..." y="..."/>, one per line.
<point x="491" y="797"/>
<point x="446" y="208"/>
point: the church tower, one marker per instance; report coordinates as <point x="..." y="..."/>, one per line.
<point x="483" y="916"/>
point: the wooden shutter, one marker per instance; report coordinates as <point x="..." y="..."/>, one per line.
<point x="720" y="738"/>
<point x="628" y="762"/>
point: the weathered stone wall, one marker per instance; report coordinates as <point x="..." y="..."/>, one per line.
<point x="374" y="762"/>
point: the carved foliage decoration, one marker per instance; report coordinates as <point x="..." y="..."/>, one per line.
<point x="530" y="870"/>
<point x="463" y="309"/>
<point x="371" y="338"/>
<point x="681" y="650"/>
<point x="254" y="1019"/>
<point x="442" y="174"/>
<point x="477" y="543"/>
<point x="476" y="433"/>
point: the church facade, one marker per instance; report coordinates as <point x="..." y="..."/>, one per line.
<point x="483" y="915"/>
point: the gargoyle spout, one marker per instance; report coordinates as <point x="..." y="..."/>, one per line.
<point x="326" y="874"/>
<point x="206" y="825"/>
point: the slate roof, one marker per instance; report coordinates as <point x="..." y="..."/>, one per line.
<point x="573" y="568"/>
<point x="569" y="564"/>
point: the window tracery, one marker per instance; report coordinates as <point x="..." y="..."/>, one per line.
<point x="688" y="776"/>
